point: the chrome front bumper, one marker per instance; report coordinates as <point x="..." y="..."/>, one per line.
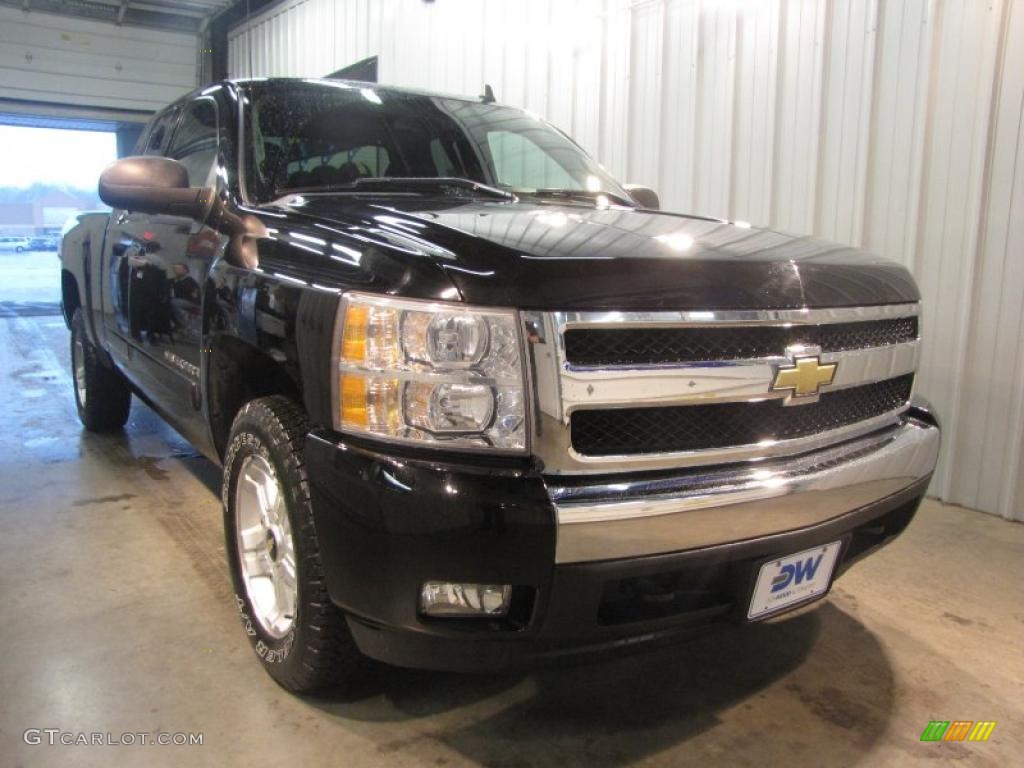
<point x="702" y="508"/>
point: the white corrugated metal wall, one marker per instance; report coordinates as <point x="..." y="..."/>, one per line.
<point x="65" y="60"/>
<point x="893" y="124"/>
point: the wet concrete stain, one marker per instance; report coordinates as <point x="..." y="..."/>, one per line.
<point x="59" y="459"/>
<point x="398" y="745"/>
<point x="957" y="619"/>
<point x="835" y="707"/>
<point x="148" y="464"/>
<point x="102" y="500"/>
<point x="963" y="622"/>
<point x="36" y="442"/>
<point x="944" y="751"/>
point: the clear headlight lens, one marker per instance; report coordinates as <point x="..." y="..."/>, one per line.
<point x="430" y="373"/>
<point x="457" y="340"/>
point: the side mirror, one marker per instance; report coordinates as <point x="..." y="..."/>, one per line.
<point x="152" y="185"/>
<point x="644" y="196"/>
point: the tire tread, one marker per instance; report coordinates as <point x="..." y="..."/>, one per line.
<point x="108" y="397"/>
<point x="329" y="654"/>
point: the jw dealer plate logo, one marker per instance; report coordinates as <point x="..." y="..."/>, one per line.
<point x="958" y="730"/>
<point x="793" y="579"/>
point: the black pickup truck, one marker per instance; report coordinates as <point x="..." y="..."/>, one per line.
<point x="479" y="405"/>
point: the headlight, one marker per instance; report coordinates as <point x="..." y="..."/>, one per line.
<point x="429" y="373"/>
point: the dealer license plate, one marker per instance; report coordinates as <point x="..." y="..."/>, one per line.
<point x="793" y="579"/>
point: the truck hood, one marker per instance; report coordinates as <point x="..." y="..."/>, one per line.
<point x="576" y="257"/>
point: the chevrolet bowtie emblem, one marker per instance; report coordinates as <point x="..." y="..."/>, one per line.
<point x="805" y="377"/>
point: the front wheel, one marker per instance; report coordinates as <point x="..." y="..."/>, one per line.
<point x="300" y="637"/>
<point x="102" y="394"/>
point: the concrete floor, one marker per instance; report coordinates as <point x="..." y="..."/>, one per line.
<point x="118" y="617"/>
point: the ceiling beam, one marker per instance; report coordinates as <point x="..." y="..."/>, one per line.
<point x="170" y="10"/>
<point x="182" y="17"/>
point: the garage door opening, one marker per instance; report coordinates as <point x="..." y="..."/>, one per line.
<point x="49" y="177"/>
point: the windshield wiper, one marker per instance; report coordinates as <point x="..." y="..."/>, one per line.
<point x="415" y="183"/>
<point x="581" y="195"/>
<point x="409" y="184"/>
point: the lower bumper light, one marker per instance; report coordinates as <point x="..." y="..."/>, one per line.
<point x="443" y="598"/>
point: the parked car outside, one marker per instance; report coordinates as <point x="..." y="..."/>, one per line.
<point x="44" y="243"/>
<point x="17" y="244"/>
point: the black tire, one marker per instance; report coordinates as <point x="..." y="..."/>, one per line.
<point x="317" y="650"/>
<point x="102" y="394"/>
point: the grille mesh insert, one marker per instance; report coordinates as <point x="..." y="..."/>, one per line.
<point x="647" y="346"/>
<point x="665" y="429"/>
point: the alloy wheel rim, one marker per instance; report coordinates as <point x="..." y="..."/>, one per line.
<point x="266" y="549"/>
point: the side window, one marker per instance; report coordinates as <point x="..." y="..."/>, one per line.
<point x="372" y="158"/>
<point x="195" y="141"/>
<point x="160" y="133"/>
<point x="140" y="143"/>
<point x="519" y="162"/>
<point x="442" y="161"/>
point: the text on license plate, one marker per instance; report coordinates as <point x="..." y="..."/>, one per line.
<point x="793" y="579"/>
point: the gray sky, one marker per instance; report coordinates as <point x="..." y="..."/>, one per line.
<point x="54" y="156"/>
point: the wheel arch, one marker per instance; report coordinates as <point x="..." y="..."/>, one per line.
<point x="70" y="296"/>
<point x="238" y="372"/>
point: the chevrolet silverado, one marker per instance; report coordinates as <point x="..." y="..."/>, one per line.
<point x="479" y="405"/>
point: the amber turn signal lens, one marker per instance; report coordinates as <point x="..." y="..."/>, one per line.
<point x="353" y="401"/>
<point x="353" y="343"/>
<point x="371" y="403"/>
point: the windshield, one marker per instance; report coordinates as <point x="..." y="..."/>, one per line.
<point x="329" y="135"/>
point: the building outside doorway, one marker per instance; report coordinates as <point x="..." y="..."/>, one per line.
<point x="49" y="176"/>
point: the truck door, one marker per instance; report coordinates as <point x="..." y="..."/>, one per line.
<point x="125" y="236"/>
<point x="191" y="244"/>
<point x="165" y="275"/>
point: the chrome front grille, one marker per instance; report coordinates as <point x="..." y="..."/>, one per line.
<point x="670" y="429"/>
<point x="626" y="391"/>
<point x="658" y="346"/>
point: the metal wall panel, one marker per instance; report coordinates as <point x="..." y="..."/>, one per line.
<point x="65" y="60"/>
<point x="891" y="124"/>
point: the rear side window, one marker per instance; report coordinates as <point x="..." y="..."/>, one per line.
<point x="443" y="161"/>
<point x="195" y="141"/>
<point x="160" y="134"/>
<point x="140" y="143"/>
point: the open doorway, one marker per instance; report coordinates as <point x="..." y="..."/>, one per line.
<point x="48" y="177"/>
